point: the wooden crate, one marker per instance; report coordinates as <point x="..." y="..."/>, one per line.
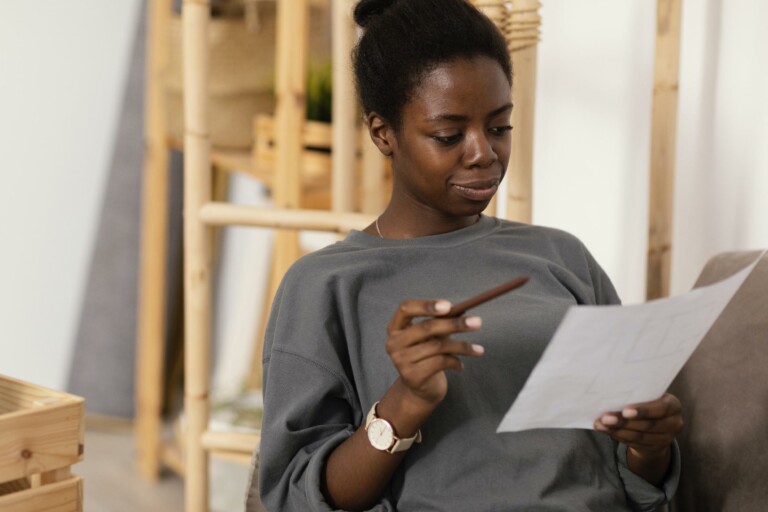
<point x="41" y="436"/>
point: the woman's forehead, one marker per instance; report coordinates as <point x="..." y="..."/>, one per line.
<point x="461" y="87"/>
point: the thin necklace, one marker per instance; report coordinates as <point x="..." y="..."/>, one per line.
<point x="378" y="229"/>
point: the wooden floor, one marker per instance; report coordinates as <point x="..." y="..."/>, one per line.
<point x="111" y="482"/>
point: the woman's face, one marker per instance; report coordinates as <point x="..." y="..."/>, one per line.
<point x="453" y="145"/>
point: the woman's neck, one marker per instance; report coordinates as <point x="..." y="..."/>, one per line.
<point x="396" y="225"/>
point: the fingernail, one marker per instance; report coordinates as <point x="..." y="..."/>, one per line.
<point x="629" y="413"/>
<point x="442" y="306"/>
<point x="478" y="349"/>
<point x="609" y="420"/>
<point x="473" y="321"/>
<point x="600" y="427"/>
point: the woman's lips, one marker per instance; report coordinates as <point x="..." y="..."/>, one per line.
<point x="477" y="191"/>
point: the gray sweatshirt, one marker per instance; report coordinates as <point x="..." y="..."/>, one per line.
<point x="325" y="364"/>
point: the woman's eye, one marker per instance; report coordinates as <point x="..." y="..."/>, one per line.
<point x="501" y="130"/>
<point x="447" y="139"/>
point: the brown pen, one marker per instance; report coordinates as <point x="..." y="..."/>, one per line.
<point x="462" y="307"/>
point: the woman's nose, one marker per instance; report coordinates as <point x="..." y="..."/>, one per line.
<point x="478" y="151"/>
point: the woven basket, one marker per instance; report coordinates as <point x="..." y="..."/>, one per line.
<point x="518" y="20"/>
<point x="241" y="77"/>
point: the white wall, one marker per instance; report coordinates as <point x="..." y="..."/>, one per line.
<point x="593" y="122"/>
<point x="593" y="130"/>
<point x="722" y="159"/>
<point x="62" y="67"/>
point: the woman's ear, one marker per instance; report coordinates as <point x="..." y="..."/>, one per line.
<point x="381" y="133"/>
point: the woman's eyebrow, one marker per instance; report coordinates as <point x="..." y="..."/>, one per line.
<point x="448" y="117"/>
<point x="459" y="117"/>
<point x="501" y="109"/>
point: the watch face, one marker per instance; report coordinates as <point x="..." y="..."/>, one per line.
<point x="380" y="434"/>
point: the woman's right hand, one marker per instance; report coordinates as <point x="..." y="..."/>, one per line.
<point x="422" y="351"/>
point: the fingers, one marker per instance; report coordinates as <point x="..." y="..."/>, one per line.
<point x="667" y="405"/>
<point x="641" y="440"/>
<point x="430" y="338"/>
<point x="421" y="351"/>
<point x="435" y="347"/>
<point x="644" y="416"/>
<point x="421" y="371"/>
<point x="410" y="309"/>
<point x="610" y="421"/>
<point x="403" y="333"/>
<point x="649" y="426"/>
<point x="438" y="328"/>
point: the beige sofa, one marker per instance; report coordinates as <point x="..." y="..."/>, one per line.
<point x="724" y="390"/>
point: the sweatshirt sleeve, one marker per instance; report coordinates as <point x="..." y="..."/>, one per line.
<point x="642" y="495"/>
<point x="306" y="415"/>
<point x="310" y="403"/>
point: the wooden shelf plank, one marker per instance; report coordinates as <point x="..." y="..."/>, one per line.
<point x="220" y="214"/>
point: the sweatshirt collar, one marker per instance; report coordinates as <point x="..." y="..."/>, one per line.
<point x="461" y="236"/>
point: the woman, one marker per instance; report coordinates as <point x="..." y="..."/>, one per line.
<point x="373" y="402"/>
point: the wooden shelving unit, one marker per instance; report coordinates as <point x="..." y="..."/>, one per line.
<point x="202" y="213"/>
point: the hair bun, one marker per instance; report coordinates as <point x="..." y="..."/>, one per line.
<point x="367" y="10"/>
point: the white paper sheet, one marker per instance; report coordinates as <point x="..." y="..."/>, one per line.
<point x="605" y="357"/>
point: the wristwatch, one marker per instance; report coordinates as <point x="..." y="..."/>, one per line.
<point x="382" y="435"/>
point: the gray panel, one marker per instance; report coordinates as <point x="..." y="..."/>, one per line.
<point x="102" y="370"/>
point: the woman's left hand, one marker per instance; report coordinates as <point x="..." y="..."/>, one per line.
<point x="648" y="429"/>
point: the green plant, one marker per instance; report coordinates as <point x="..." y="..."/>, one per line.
<point x="319" y="92"/>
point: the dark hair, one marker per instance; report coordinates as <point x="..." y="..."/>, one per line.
<point x="403" y="40"/>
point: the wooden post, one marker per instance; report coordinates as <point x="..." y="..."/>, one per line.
<point x="197" y="253"/>
<point x="154" y="229"/>
<point x="519" y="189"/>
<point x="290" y="108"/>
<point x="344" y="109"/>
<point x="522" y="33"/>
<point x="663" y="138"/>
<point x="290" y="116"/>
